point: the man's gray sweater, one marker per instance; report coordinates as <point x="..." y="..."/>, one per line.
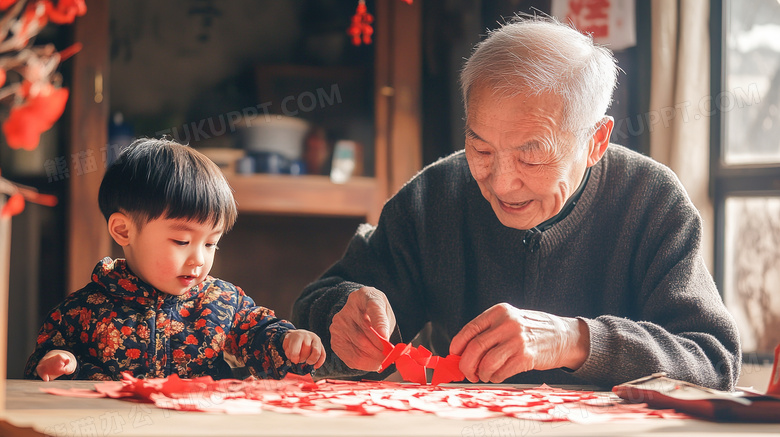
<point x="626" y="260"/>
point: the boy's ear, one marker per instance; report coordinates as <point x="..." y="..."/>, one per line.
<point x="120" y="226"/>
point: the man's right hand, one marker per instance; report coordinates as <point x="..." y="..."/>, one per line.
<point x="55" y="364"/>
<point x="350" y="333"/>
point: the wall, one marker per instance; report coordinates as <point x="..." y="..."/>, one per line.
<point x="274" y="257"/>
<point x="453" y="27"/>
<point x="178" y="62"/>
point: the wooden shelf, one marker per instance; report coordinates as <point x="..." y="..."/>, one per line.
<point x="304" y="195"/>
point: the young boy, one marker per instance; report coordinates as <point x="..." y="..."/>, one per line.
<point x="158" y="312"/>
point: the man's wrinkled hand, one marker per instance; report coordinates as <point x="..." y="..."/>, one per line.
<point x="504" y="341"/>
<point x="350" y="333"/>
<point x="55" y="364"/>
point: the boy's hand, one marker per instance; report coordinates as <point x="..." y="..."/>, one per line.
<point x="304" y="346"/>
<point x="55" y="364"/>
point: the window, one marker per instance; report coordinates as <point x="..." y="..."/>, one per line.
<point x="745" y="166"/>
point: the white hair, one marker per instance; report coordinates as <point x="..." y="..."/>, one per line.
<point x="538" y="55"/>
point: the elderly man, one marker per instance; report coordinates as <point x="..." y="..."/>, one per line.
<point x="540" y="253"/>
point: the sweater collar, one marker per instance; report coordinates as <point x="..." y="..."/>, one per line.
<point x="567" y="207"/>
<point x="578" y="216"/>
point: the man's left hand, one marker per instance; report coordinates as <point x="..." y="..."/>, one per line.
<point x="504" y="341"/>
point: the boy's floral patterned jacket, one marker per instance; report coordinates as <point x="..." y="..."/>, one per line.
<point x="118" y="323"/>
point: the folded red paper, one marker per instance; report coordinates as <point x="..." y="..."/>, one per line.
<point x="411" y="363"/>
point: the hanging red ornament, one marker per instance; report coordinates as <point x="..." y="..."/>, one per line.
<point x="360" y="30"/>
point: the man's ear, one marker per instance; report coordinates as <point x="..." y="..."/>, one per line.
<point x="600" y="140"/>
<point x="120" y="226"/>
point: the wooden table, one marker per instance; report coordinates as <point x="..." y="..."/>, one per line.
<point x="64" y="416"/>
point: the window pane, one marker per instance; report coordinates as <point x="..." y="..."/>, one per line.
<point x="752" y="270"/>
<point x="751" y="100"/>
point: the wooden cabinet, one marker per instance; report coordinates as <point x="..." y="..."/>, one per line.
<point x="312" y="202"/>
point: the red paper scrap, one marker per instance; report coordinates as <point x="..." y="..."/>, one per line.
<point x="334" y="398"/>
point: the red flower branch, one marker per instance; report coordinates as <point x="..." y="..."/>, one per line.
<point x="29" y="83"/>
<point x="34" y="116"/>
<point x="17" y="196"/>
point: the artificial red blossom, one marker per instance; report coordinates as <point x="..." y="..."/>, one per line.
<point x="360" y="30"/>
<point x="33" y="91"/>
<point x="66" y="11"/>
<point x="27" y="121"/>
<point x="39" y="104"/>
<point x="5" y="4"/>
<point x="13" y="206"/>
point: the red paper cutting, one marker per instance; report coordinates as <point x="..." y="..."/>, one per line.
<point x="334" y="398"/>
<point x="411" y="363"/>
<point x="395" y="353"/>
<point x="410" y="370"/>
<point x="447" y="370"/>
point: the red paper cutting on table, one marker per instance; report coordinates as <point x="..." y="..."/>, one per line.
<point x="301" y="395"/>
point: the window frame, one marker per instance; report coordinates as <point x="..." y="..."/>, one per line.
<point x="730" y="180"/>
